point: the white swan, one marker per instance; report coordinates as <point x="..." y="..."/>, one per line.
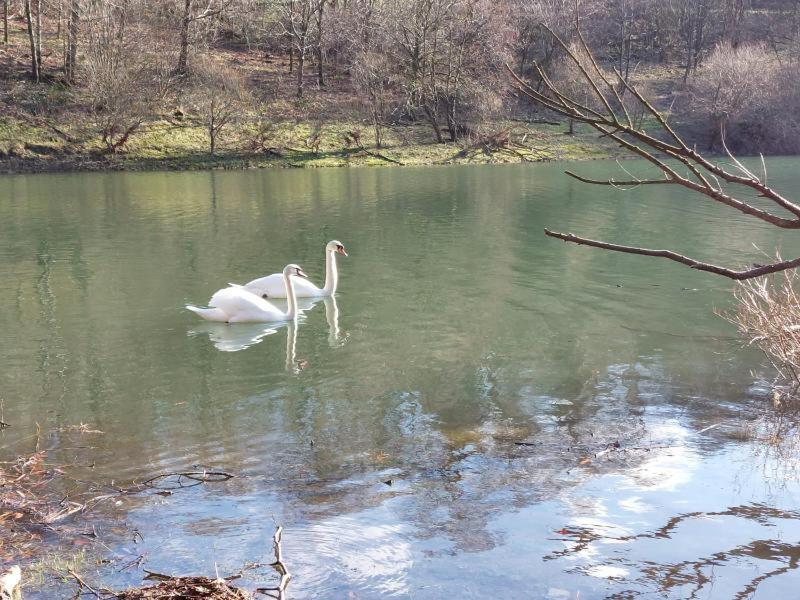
<point x="236" y="305"/>
<point x="274" y="286"/>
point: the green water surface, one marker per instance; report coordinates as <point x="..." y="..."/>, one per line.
<point x="382" y="431"/>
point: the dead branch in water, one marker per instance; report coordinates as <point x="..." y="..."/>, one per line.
<point x="278" y="592"/>
<point x="195" y="478"/>
<point x="83" y="584"/>
<point x="219" y="588"/>
<point x="188" y="588"/>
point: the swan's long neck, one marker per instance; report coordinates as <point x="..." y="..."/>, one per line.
<point x="331" y="274"/>
<point x="292" y="312"/>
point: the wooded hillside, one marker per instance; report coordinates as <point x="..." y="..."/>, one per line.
<point x="267" y="77"/>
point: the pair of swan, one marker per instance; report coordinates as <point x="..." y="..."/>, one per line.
<point x="233" y="339"/>
<point x="248" y="303"/>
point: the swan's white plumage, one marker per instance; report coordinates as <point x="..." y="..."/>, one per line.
<point x="243" y="307"/>
<point x="274" y="286"/>
<point x="235" y="304"/>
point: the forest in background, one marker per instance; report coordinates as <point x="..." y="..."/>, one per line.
<point x="381" y="81"/>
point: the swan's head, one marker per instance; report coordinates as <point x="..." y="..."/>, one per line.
<point x="336" y="246"/>
<point x="294" y="270"/>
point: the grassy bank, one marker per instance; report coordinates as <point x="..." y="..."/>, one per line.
<point x="27" y="146"/>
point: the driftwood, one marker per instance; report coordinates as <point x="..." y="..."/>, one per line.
<point x="182" y="479"/>
<point x="679" y="164"/>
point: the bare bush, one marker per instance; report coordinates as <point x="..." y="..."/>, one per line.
<point x="125" y="77"/>
<point x="217" y="95"/>
<point x="768" y="317"/>
<point x="450" y="54"/>
<point x="742" y="93"/>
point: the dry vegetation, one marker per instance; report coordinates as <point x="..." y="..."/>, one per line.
<point x="768" y="317"/>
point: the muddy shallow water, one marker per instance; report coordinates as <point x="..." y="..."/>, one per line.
<point x="482" y="412"/>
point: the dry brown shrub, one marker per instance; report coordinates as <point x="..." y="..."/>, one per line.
<point x="768" y="317"/>
<point x="746" y="92"/>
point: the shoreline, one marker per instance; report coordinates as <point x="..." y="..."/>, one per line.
<point x="38" y="151"/>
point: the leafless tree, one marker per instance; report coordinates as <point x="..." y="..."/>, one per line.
<point x="217" y="95"/>
<point x="71" y="51"/>
<point x="667" y="152"/>
<point x="297" y="17"/>
<point x="694" y="21"/>
<point x="33" y="20"/>
<point x="319" y="49"/>
<point x="125" y="73"/>
<point x="449" y="50"/>
<point x="5" y="21"/>
<point x="188" y="17"/>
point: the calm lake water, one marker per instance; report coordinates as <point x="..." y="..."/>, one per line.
<point x="458" y="331"/>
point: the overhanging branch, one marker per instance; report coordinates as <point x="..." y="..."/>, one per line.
<point x="757" y="271"/>
<point x="663" y="150"/>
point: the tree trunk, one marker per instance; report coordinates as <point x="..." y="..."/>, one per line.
<point x="301" y="62"/>
<point x="291" y="60"/>
<point x="212" y="129"/>
<point x="39" y="36"/>
<point x="452" y="124"/>
<point x="5" y="21"/>
<point x="320" y="75"/>
<point x="32" y="40"/>
<point x="183" y="56"/>
<point x="432" y="120"/>
<point x="70" y="63"/>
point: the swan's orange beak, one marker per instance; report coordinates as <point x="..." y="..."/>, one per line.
<point x="341" y="250"/>
<point x="301" y="273"/>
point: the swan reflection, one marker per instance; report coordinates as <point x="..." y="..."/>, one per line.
<point x="335" y="337"/>
<point x="240" y="336"/>
<point x="233" y="338"/>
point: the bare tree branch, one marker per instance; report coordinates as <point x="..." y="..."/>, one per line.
<point x="758" y="271"/>
<point x="660" y="149"/>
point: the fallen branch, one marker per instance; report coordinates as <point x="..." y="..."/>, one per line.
<point x="382" y="156"/>
<point x="83" y="584"/>
<point x="279" y="591"/>
<point x="41" y="122"/>
<point x="195" y="477"/>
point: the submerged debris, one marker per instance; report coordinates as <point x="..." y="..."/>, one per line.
<point x="188" y="588"/>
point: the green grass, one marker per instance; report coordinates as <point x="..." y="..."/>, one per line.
<point x="56" y="565"/>
<point x="176" y="145"/>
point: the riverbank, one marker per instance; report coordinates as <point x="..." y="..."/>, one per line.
<point x="172" y="145"/>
